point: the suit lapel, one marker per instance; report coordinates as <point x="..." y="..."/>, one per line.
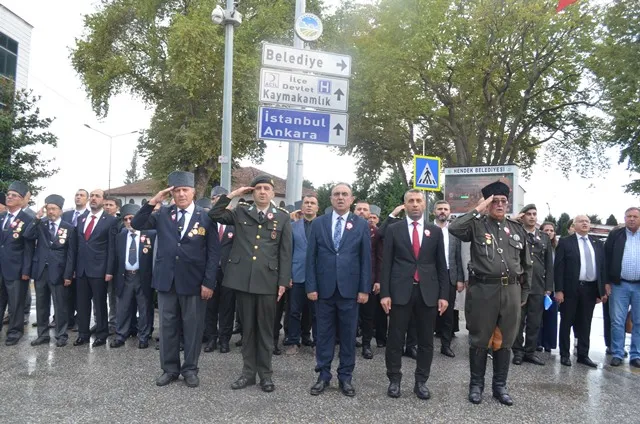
<point x="98" y="224"/>
<point x="347" y="230"/>
<point x="195" y="217"/>
<point x="328" y="230"/>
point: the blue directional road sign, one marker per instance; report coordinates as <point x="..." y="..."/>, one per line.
<point x="303" y="126"/>
<point x="426" y="173"/>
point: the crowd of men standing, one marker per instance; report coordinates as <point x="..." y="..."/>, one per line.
<point x="334" y="275"/>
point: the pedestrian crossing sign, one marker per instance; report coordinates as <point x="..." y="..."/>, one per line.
<point x="426" y="173"/>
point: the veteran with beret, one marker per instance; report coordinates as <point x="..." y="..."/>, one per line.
<point x="184" y="274"/>
<point x="259" y="270"/>
<point x="499" y="281"/>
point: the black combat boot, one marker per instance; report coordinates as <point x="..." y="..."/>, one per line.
<point x="478" y="365"/>
<point x="500" y="371"/>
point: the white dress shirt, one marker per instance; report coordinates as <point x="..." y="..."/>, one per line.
<point x="76" y="215"/>
<point x="420" y="229"/>
<point x="445" y="237"/>
<point x="13" y="218"/>
<point x="583" y="267"/>
<point x="56" y="223"/>
<point x="187" y="217"/>
<point x="334" y="219"/>
<point x="127" y="265"/>
<point x="95" y="222"/>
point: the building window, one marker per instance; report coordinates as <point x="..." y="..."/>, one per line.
<point x="8" y="57"/>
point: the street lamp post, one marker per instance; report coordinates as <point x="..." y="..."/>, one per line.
<point x="111" y="137"/>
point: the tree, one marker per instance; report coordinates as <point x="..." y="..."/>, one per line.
<point x="550" y="218"/>
<point x="170" y="54"/>
<point x="471" y="81"/>
<point x="615" y="63"/>
<point x="563" y="222"/>
<point x="324" y="197"/>
<point x="308" y="184"/>
<point x="132" y="175"/>
<point x="611" y="220"/>
<point x="22" y="133"/>
<point x="595" y="219"/>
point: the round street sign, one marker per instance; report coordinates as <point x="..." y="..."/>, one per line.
<point x="308" y="27"/>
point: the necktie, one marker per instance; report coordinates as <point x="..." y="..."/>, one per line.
<point x="181" y="222"/>
<point x="74" y="221"/>
<point x="337" y="233"/>
<point x="588" y="260"/>
<point x="261" y="216"/>
<point x="89" y="229"/>
<point x="7" y="221"/>
<point x="52" y="230"/>
<point x="531" y="239"/>
<point x="133" y="249"/>
<point x="220" y="231"/>
<point x="415" y="241"/>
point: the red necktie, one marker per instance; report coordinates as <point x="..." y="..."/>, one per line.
<point x="89" y="229"/>
<point x="220" y="231"/>
<point x="416" y="247"/>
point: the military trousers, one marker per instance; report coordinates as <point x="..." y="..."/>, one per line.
<point x="492" y="308"/>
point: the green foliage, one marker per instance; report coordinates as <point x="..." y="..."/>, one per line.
<point x="550" y="218"/>
<point x="611" y="220"/>
<point x="595" y="219"/>
<point x="563" y="222"/>
<point x="22" y="132"/>
<point x="132" y="175"/>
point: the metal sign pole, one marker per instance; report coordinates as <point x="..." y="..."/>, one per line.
<point x="226" y="151"/>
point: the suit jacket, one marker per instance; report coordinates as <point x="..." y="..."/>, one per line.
<point x="16" y="252"/>
<point x="260" y="258"/>
<point x="188" y="262"/>
<point x="456" y="271"/>
<point x="567" y="265"/>
<point x="299" y="260"/>
<point x="376" y="254"/>
<point x="349" y="268"/>
<point x="95" y="257"/>
<point x="145" y="242"/>
<point x="59" y="252"/>
<point x="542" y="256"/>
<point x="399" y="265"/>
<point x="225" y="245"/>
<point x="68" y="216"/>
<point x="614" y="251"/>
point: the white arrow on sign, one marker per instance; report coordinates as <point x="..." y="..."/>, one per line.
<point x="285" y="57"/>
<point x="295" y="89"/>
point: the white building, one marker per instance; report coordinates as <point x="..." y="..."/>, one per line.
<point x="15" y="47"/>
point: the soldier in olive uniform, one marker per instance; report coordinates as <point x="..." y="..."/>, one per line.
<point x="541" y="284"/>
<point x="259" y="270"/>
<point x="499" y="281"/>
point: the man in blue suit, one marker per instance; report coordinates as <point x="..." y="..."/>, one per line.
<point x="134" y="263"/>
<point x="184" y="274"/>
<point x="301" y="230"/>
<point x="338" y="277"/>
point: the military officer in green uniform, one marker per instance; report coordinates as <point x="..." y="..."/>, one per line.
<point x="499" y="281"/>
<point x="259" y="270"/>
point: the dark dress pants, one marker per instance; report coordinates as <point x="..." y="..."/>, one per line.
<point x="220" y="310"/>
<point x="367" y="317"/>
<point x="381" y="321"/>
<point x="577" y="312"/>
<point x="530" y="321"/>
<point x="14" y="293"/>
<point x="444" y="323"/>
<point x="257" y="313"/>
<point x="399" y="318"/>
<point x="44" y="292"/>
<point x="133" y="296"/>
<point x="548" y="337"/>
<point x="281" y="307"/>
<point x="298" y="302"/>
<point x="606" y="319"/>
<point x="72" y="303"/>
<point x="92" y="289"/>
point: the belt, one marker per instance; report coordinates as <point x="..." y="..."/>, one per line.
<point x="131" y="272"/>
<point x="505" y="280"/>
<point x="582" y="283"/>
<point x="630" y="281"/>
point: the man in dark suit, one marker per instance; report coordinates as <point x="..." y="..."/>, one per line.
<point x="622" y="252"/>
<point x="94" y="269"/>
<point x="301" y="230"/>
<point x="184" y="274"/>
<point x="259" y="270"/>
<point x="579" y="274"/>
<point x="16" y="254"/>
<point x="53" y="267"/>
<point x="221" y="307"/>
<point x="445" y="323"/>
<point x="132" y="281"/>
<point x="338" y="278"/>
<point x="414" y="281"/>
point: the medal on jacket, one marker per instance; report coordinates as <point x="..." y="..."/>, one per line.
<point x="273" y="233"/>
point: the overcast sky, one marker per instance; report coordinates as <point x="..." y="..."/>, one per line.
<point x="82" y="155"/>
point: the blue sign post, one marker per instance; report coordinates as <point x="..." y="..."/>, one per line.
<point x="302" y="126"/>
<point x="426" y="173"/>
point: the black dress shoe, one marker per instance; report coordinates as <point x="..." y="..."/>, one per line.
<point x="276" y="350"/>
<point x="421" y="390"/>
<point x="382" y="344"/>
<point x="157" y="346"/>
<point x="358" y="343"/>
<point x="93" y="329"/>
<point x="239" y="343"/>
<point x="517" y="360"/>
<point x="635" y="362"/>
<point x="394" y="390"/>
<point x="446" y="351"/>
<point x="224" y="347"/>
<point x="11" y="342"/>
<point x="533" y="359"/>
<point x="191" y="380"/>
<point x="211" y="346"/>
<point x="116" y="343"/>
<point x="564" y="360"/>
<point x="80" y="341"/>
<point x="411" y="352"/>
<point x="503" y="397"/>
<point x="319" y="387"/>
<point x="616" y="362"/>
<point x="143" y="345"/>
<point x="165" y="379"/>
<point x="237" y="329"/>
<point x="40" y="340"/>
<point x="267" y="386"/>
<point x="242" y="382"/>
<point x="585" y="360"/>
<point x="475" y="395"/>
<point x="307" y="342"/>
<point x="61" y="343"/>
<point x="367" y="353"/>
<point x="34" y="324"/>
<point x="98" y="342"/>
<point x="539" y="349"/>
<point x="347" y="388"/>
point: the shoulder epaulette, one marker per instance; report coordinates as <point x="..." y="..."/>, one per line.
<point x="282" y="210"/>
<point x="515" y="221"/>
<point x="244" y="204"/>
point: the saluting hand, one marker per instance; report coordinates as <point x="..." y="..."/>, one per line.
<point x="240" y="191"/>
<point x="41" y="212"/>
<point x="483" y="204"/>
<point x="159" y="197"/>
<point x="397" y="210"/>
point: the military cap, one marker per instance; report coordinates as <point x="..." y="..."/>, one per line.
<point x="19" y="187"/>
<point x="54" y="199"/>
<point x="129" y="209"/>
<point x="218" y="191"/>
<point x="262" y="179"/>
<point x="3" y="199"/>
<point x="496" y="188"/>
<point x="181" y="179"/>
<point x="375" y="210"/>
<point x="204" y="203"/>
<point x="528" y="208"/>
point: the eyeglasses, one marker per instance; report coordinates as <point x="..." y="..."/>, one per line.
<point x="13" y="195"/>
<point x="127" y="219"/>
<point x="499" y="201"/>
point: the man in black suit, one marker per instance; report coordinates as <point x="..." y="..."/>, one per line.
<point x="453" y="249"/>
<point x="94" y="269"/>
<point x="53" y="267"/>
<point x="132" y="281"/>
<point x="16" y="254"/>
<point x="579" y="273"/>
<point x="221" y="307"/>
<point x="414" y="280"/>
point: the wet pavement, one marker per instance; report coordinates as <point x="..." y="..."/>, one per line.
<point x="83" y="384"/>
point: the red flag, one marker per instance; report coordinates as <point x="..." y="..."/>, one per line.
<point x="564" y="3"/>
